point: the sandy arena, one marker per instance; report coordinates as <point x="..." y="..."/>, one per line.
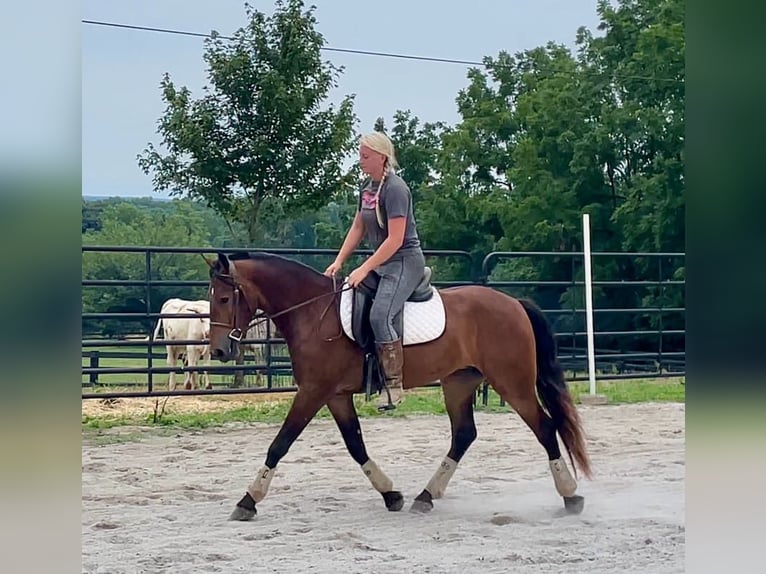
<point x="161" y="504"/>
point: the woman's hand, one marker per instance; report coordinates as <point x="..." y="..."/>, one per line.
<point x="358" y="275"/>
<point x="333" y="268"/>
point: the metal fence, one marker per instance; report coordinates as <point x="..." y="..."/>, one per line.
<point x="118" y="343"/>
<point x="657" y="350"/>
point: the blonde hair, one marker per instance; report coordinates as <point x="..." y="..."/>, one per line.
<point x="381" y="143"/>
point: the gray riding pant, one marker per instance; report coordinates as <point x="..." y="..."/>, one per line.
<point x="398" y="278"/>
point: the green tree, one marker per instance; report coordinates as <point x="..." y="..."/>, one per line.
<point x="417" y="147"/>
<point x="128" y="224"/>
<point x="504" y="168"/>
<point x="263" y="131"/>
<point x="546" y="135"/>
<point x="91" y="216"/>
<point x="637" y="75"/>
<point x="637" y="71"/>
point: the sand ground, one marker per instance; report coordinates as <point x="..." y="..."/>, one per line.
<point x="160" y="504"/>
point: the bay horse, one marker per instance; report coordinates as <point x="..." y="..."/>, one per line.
<point x="488" y="335"/>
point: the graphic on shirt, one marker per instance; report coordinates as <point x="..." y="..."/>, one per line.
<point x="369" y="199"/>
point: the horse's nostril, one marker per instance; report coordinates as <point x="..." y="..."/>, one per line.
<point x="219" y="355"/>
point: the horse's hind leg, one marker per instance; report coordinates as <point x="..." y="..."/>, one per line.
<point x="206" y="373"/>
<point x="260" y="359"/>
<point x="344" y="413"/>
<point x="523" y="400"/>
<point x="171" y="361"/>
<point x="190" y="378"/>
<point x="459" y="389"/>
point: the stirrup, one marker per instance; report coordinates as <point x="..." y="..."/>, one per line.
<point x="390" y="406"/>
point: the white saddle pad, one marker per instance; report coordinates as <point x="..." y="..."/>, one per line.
<point x="423" y="321"/>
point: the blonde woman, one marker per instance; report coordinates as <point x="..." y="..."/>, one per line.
<point x="385" y="218"/>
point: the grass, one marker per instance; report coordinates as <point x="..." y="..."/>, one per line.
<point x="636" y="390"/>
<point x="139" y="381"/>
<point x="204" y="412"/>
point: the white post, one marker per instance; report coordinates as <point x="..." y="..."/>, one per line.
<point x="589" y="302"/>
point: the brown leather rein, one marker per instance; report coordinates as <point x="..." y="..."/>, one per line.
<point x="236" y="334"/>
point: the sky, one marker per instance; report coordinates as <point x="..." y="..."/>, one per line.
<point x="122" y="69"/>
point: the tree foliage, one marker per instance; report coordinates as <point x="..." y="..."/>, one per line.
<point x="125" y="223"/>
<point x="544" y="135"/>
<point x="262" y="136"/>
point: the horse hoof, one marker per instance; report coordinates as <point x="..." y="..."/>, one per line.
<point x="574" y="504"/>
<point x="242" y="514"/>
<point x="394" y="500"/>
<point x="423" y="503"/>
<point x="421" y="507"/>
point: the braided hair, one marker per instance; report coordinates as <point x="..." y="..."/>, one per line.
<point x="381" y="143"/>
<point x="378" y="212"/>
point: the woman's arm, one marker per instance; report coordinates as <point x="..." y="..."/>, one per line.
<point x="396" y="228"/>
<point x="352" y="240"/>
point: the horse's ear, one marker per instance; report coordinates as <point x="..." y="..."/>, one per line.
<point x="223" y="261"/>
<point x="208" y="261"/>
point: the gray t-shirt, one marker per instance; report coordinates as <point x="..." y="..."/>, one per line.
<point x="395" y="200"/>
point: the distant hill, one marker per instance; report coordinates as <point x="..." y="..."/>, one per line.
<point x="126" y="198"/>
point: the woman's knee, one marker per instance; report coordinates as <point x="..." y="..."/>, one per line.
<point x="381" y="332"/>
<point x="378" y="316"/>
<point x="380" y="323"/>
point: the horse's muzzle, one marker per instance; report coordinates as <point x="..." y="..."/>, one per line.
<point x="220" y="355"/>
<point x="226" y="352"/>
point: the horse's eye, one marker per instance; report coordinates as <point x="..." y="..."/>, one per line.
<point x="224" y="299"/>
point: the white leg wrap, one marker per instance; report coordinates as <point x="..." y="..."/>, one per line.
<point x="565" y="483"/>
<point x="379" y="480"/>
<point x="438" y="483"/>
<point x="260" y="485"/>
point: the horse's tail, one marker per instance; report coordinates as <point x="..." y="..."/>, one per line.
<point x="553" y="390"/>
<point x="157" y="329"/>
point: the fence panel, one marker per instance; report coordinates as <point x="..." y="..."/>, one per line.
<point x="119" y="344"/>
<point x="643" y="337"/>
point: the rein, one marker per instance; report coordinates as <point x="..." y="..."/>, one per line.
<point x="335" y="291"/>
<point x="237" y="334"/>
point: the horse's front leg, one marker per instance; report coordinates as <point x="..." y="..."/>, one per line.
<point x="344" y="413"/>
<point x="458" y="390"/>
<point x="306" y="404"/>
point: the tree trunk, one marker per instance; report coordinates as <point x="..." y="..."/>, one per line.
<point x="254" y="229"/>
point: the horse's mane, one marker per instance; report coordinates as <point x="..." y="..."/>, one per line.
<point x="274" y="258"/>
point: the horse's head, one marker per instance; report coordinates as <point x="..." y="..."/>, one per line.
<point x="230" y="310"/>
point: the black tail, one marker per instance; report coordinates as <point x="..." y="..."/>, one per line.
<point x="553" y="390"/>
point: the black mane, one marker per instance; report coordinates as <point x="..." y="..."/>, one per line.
<point x="271" y="257"/>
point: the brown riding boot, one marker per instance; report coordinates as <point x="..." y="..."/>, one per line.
<point x="391" y="359"/>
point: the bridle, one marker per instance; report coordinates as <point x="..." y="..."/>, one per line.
<point x="236" y="333"/>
